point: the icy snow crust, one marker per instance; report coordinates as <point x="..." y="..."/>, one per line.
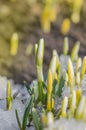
<point x="8" y="119"/>
<point x="65" y="124"/>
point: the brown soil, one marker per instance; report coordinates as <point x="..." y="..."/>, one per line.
<point x="22" y="67"/>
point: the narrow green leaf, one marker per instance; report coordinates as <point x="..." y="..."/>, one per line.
<point x="61" y="85"/>
<point x="55" y="88"/>
<point x="18" y="120"/>
<point x="36" y="121"/>
<point x="40" y="91"/>
<point x="28" y="88"/>
<point x="45" y="76"/>
<point x="26" y="114"/>
<point x="58" y="114"/>
<point x="44" y="85"/>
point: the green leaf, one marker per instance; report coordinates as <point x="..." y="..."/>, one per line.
<point x="36" y="121"/>
<point x="26" y="114"/>
<point x="9" y="96"/>
<point x="45" y="76"/>
<point x="58" y="114"/>
<point x="18" y="120"/>
<point x="55" y="88"/>
<point x="40" y="91"/>
<point x="44" y="85"/>
<point x="61" y="84"/>
<point x="28" y="88"/>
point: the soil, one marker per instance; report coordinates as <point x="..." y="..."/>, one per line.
<point x="22" y="67"/>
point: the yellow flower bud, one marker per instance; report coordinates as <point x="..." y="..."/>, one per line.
<point x="78" y="96"/>
<point x="53" y="12"/>
<point x="49" y="91"/>
<point x="66" y="46"/>
<point x="14" y="44"/>
<point x="49" y="82"/>
<point x="45" y="26"/>
<point x="45" y="20"/>
<point x="77" y="78"/>
<point x="64" y="107"/>
<point x="71" y="74"/>
<point x="75" y="17"/>
<point x="80" y="109"/>
<point x="77" y="4"/>
<point x="78" y="64"/>
<point x="75" y="50"/>
<point x="73" y="102"/>
<point x="57" y="58"/>
<point x="44" y="120"/>
<point x="9" y="97"/>
<point x="83" y="68"/>
<point x="52" y="65"/>
<point x="65" y="26"/>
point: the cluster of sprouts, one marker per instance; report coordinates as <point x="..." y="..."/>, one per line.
<point x="44" y="93"/>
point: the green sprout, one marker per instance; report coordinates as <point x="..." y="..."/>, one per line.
<point x="39" y="54"/>
<point x="26" y="116"/>
<point x="71" y="74"/>
<point x="83" y="68"/>
<point x="75" y="51"/>
<point x="64" y="107"/>
<point x="66" y="46"/>
<point x="80" y="109"/>
<point x="49" y="90"/>
<point x="72" y="102"/>
<point x="9" y="97"/>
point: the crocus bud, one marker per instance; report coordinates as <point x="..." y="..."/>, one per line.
<point x="73" y="102"/>
<point x="75" y="51"/>
<point x="83" y="68"/>
<point x="66" y="46"/>
<point x="78" y="64"/>
<point x="52" y="65"/>
<point x="9" y="97"/>
<point x="77" y="78"/>
<point x="40" y="52"/>
<point x="65" y="26"/>
<point x="64" y="107"/>
<point x="71" y="74"/>
<point x="14" y="44"/>
<point x="78" y="96"/>
<point x="80" y="109"/>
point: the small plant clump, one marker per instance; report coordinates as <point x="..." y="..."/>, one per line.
<point x="44" y="107"/>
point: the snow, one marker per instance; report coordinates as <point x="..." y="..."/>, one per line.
<point x="65" y="124"/>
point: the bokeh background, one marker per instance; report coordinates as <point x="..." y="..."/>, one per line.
<point x="35" y="19"/>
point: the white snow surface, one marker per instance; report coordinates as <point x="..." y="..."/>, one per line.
<point x="8" y="118"/>
<point x="65" y="124"/>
